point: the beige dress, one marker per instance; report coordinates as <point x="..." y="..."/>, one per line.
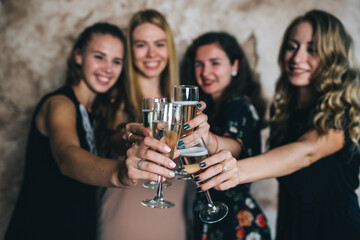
<point x="122" y="216"/>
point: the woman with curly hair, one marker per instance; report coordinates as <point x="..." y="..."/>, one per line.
<point x="315" y="132"/>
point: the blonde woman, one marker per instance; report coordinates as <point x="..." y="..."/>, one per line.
<point x="152" y="70"/>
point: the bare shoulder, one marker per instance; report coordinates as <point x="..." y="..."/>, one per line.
<point x="55" y="107"/>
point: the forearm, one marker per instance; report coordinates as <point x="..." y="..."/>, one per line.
<point x="85" y="167"/>
<point x="217" y="143"/>
<point x="275" y="163"/>
<point x="291" y="157"/>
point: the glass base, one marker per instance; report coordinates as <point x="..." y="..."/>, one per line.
<point x="153" y="184"/>
<point x="157" y="203"/>
<point x="215" y="213"/>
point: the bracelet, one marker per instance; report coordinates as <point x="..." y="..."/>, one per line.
<point x="217" y="142"/>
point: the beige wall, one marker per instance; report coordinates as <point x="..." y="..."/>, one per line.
<point x="36" y="36"/>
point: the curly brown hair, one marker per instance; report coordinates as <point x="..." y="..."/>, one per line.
<point x="335" y="82"/>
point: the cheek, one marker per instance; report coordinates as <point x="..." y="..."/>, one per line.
<point x="138" y="54"/>
<point x="164" y="53"/>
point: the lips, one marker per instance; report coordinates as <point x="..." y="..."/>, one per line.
<point x="297" y="71"/>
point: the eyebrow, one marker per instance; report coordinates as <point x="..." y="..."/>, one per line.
<point x="140" y="40"/>
<point x="297" y="42"/>
<point x="103" y="54"/>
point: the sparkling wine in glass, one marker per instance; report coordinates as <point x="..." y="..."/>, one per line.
<point x="147" y="113"/>
<point x="188" y="97"/>
<point x="191" y="158"/>
<point x="166" y="127"/>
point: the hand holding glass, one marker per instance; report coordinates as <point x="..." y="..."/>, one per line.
<point x="188" y="97"/>
<point x="191" y="158"/>
<point x="166" y="127"/>
<point x="147" y="113"/>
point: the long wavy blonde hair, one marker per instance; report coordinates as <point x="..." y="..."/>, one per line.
<point x="336" y="80"/>
<point x="169" y="76"/>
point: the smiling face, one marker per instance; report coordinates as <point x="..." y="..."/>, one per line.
<point x="150" y="50"/>
<point x="299" y="58"/>
<point x="101" y="62"/>
<point x="213" y="69"/>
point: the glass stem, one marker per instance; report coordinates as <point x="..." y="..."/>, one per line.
<point x="159" y="189"/>
<point x="210" y="202"/>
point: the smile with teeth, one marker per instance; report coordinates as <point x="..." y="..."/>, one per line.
<point x="104" y="79"/>
<point x="151" y="64"/>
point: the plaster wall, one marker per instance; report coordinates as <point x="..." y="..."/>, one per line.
<point x="36" y="37"/>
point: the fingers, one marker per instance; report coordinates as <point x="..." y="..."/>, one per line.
<point x="199" y="120"/>
<point x="149" y="168"/>
<point x="201" y="106"/>
<point x="221" y="172"/>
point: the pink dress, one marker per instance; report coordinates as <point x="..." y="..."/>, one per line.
<point x="122" y="216"/>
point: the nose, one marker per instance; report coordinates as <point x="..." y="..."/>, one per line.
<point x="108" y="67"/>
<point x="205" y="71"/>
<point x="299" y="55"/>
<point x="151" y="51"/>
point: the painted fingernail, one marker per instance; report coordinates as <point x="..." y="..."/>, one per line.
<point x="167" y="149"/>
<point x="183" y="147"/>
<point x="202" y="164"/>
<point x="199" y="189"/>
<point x="186" y="126"/>
<point x="197" y="178"/>
<point x="199" y="105"/>
<point x="181" y="142"/>
<point x="172" y="174"/>
<point x="172" y="164"/>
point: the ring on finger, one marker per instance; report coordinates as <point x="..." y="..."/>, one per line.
<point x="129" y="136"/>
<point x="139" y="164"/>
<point x="224" y="167"/>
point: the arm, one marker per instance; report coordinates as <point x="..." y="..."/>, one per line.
<point x="57" y="120"/>
<point x="277" y="162"/>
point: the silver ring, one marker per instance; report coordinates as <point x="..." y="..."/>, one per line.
<point x="129" y="136"/>
<point x="139" y="164"/>
<point x="224" y="167"/>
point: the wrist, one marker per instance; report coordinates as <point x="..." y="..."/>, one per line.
<point x="215" y="143"/>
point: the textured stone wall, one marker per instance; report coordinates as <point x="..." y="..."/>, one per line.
<point x="36" y="36"/>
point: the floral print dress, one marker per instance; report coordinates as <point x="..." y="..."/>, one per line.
<point x="237" y="120"/>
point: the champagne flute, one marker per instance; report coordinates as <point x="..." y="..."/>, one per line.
<point x="166" y="127"/>
<point x="147" y="113"/>
<point x="188" y="97"/>
<point x="191" y="158"/>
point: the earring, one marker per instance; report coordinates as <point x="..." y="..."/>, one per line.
<point x="233" y="74"/>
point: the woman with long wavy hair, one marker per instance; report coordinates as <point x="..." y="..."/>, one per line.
<point x="315" y="133"/>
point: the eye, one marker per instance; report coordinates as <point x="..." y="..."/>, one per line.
<point x="160" y="44"/>
<point x="311" y="50"/>
<point x="198" y="65"/>
<point x="139" y="45"/>
<point x="99" y="56"/>
<point x="215" y="63"/>
<point x="117" y="62"/>
<point x="291" y="47"/>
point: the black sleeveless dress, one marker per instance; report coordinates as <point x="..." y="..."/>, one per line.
<point x="319" y="202"/>
<point x="50" y="205"/>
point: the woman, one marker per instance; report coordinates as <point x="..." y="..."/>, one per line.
<point x="314" y="135"/>
<point x="57" y="199"/>
<point x="152" y="70"/>
<point x="216" y="62"/>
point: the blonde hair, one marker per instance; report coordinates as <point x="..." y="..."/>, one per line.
<point x="336" y="80"/>
<point x="168" y="77"/>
